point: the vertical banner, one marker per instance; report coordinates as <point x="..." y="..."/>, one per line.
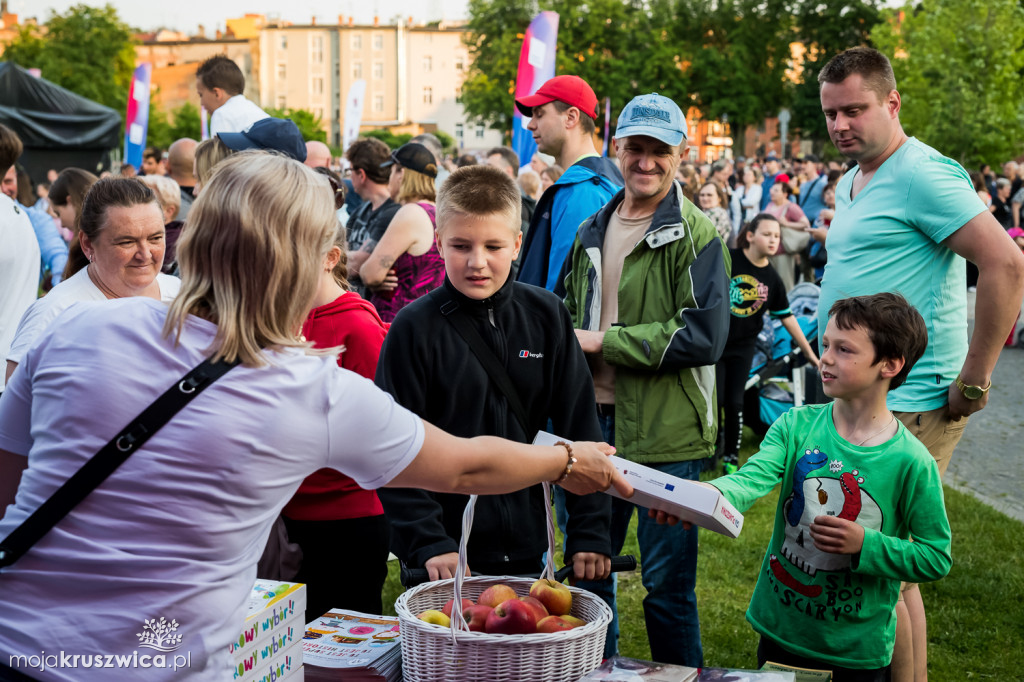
<point x="607" y="125"/>
<point x="536" y="66"/>
<point x="353" y="113"/>
<point x="137" y="120"/>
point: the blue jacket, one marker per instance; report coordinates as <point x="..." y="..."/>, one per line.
<point x="584" y="187"/>
<point x="51" y="245"/>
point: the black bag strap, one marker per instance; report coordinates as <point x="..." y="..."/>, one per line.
<point x="804" y="196"/>
<point x="486" y="356"/>
<point x="108" y="459"/>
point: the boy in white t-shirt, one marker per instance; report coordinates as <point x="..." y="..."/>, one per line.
<point x="220" y="84"/>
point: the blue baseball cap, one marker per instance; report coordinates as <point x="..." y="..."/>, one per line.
<point x="652" y="115"/>
<point x="273" y="134"/>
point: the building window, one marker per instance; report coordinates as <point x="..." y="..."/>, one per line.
<point x="458" y="132"/>
<point x="317" y="50"/>
<point x="378" y="70"/>
<point x="282" y="103"/>
<point x="283" y="42"/>
<point x="318" y="86"/>
<point x="479" y="131"/>
<point x="357" y="41"/>
<point x="428" y="95"/>
<point x="357" y="70"/>
<point x="458" y="95"/>
<point x="378" y="103"/>
<point x="428" y="64"/>
<point x="378" y="41"/>
<point x="282" y="71"/>
<point x="460" y="64"/>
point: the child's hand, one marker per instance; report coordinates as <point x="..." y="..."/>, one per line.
<point x="664" y="518"/>
<point x="837" y="536"/>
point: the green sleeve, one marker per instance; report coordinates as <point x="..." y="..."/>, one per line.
<point x="763" y="470"/>
<point x="928" y="556"/>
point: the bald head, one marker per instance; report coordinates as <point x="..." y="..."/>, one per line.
<point x="318" y="155"/>
<point x="181" y="156"/>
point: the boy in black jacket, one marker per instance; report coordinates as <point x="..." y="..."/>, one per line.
<point x="430" y="369"/>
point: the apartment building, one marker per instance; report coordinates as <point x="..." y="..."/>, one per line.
<point x="413" y="77"/>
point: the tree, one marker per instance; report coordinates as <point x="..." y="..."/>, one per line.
<point x="389" y="138"/>
<point x="736" y="53"/>
<point x="87" y="50"/>
<point x="825" y="29"/>
<point x="164" y="129"/>
<point x="310" y="125"/>
<point x="958" y="66"/>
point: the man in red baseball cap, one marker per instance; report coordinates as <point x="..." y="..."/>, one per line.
<point x="563" y="115"/>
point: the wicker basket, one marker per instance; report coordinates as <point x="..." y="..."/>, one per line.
<point x="431" y="653"/>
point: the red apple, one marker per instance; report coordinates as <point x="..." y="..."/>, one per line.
<point x="555" y="596"/>
<point x="574" y="621"/>
<point x="447" y="610"/>
<point x="495" y="595"/>
<point x="435" y="617"/>
<point x="476" y="616"/>
<point x="554" y="624"/>
<point x="538" y="609"/>
<point x="511" y="617"/>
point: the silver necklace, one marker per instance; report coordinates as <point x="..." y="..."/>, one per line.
<point x="891" y="420"/>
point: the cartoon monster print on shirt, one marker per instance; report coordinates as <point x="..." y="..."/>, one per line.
<point x="824" y="495"/>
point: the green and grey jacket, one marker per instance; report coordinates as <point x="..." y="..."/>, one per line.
<point x="673" y="325"/>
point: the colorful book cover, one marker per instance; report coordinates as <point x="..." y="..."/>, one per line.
<point x="274" y="643"/>
<point x="272" y="605"/>
<point x="622" y="669"/>
<point x="349" y="639"/>
<point x="285" y="666"/>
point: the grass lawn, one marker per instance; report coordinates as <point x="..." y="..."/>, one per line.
<point x="975" y="614"/>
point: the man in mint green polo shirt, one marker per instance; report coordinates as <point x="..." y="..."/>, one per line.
<point x="906" y="218"/>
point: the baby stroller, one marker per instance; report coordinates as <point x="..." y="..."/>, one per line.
<point x="780" y="377"/>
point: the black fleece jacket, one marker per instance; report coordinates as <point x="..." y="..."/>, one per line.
<point x="430" y="370"/>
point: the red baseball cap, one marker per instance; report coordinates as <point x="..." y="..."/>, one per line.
<point x="572" y="90"/>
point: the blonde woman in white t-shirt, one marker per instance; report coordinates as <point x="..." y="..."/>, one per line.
<point x="176" y="531"/>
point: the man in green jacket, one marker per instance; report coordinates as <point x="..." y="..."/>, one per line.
<point x="647" y="285"/>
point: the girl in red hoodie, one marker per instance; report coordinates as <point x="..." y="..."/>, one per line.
<point x="341" y="527"/>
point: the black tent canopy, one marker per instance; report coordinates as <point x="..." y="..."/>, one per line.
<point x="58" y="128"/>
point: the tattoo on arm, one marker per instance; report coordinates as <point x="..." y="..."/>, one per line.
<point x="386" y="262"/>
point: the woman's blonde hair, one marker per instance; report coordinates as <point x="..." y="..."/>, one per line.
<point x="251" y="252"/>
<point x="209" y="153"/>
<point x="416" y="186"/>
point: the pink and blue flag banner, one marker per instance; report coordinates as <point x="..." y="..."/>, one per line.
<point x="536" y="67"/>
<point x="204" y="124"/>
<point x="607" y="125"/>
<point x="136" y="122"/>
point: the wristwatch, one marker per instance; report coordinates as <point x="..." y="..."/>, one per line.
<point x="971" y="392"/>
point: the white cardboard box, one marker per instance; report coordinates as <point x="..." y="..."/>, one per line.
<point x="701" y="505"/>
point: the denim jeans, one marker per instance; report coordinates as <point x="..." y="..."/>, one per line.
<point x="605" y="589"/>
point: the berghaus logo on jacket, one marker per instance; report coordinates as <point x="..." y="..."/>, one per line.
<point x="528" y="354"/>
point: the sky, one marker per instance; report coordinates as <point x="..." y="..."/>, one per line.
<point x="186" y="15"/>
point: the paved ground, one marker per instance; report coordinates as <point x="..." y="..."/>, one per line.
<point x="988" y="462"/>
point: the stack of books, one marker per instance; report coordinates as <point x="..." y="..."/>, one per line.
<point x="270" y="644"/>
<point x="352" y="646"/>
<point x="622" y="668"/>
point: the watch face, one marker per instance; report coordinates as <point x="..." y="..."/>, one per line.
<point x="973" y="392"/>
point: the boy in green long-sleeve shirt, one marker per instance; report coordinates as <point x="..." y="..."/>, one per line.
<point x="856" y="487"/>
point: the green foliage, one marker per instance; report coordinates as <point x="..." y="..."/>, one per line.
<point x="825" y="29"/>
<point x="447" y="141"/>
<point x="87" y="50"/>
<point x="310" y="125"/>
<point x="182" y="122"/>
<point x="389" y="138"/>
<point x="735" y="54"/>
<point x="958" y="64"/>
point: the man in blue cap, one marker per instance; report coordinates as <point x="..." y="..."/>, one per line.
<point x="647" y="286"/>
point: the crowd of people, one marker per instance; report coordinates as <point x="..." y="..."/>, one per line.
<point x="392" y="328"/>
